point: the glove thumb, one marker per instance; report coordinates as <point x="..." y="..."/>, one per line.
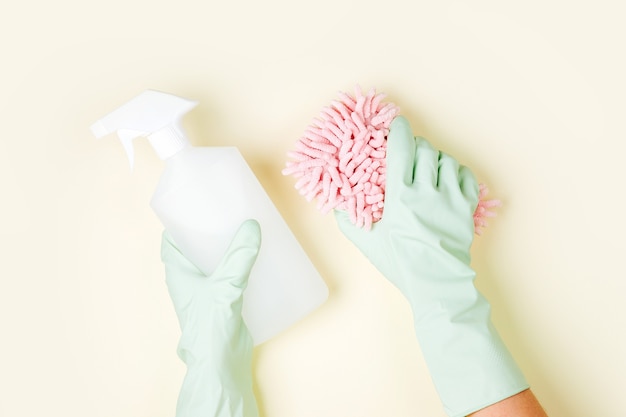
<point x="345" y="223"/>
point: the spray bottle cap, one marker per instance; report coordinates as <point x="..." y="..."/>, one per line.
<point x="153" y="114"/>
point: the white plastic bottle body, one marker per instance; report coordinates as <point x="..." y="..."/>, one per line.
<point x="204" y="194"/>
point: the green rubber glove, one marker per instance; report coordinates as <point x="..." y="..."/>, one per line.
<point x="215" y="343"/>
<point x="422" y="245"/>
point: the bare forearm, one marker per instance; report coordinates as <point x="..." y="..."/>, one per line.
<point x="524" y="404"/>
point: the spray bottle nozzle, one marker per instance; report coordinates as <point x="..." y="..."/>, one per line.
<point x="153" y="114"/>
<point x="99" y="130"/>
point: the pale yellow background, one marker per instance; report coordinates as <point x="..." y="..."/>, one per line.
<point x="530" y="94"/>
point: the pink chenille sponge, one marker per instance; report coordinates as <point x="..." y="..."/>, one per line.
<point x="340" y="159"/>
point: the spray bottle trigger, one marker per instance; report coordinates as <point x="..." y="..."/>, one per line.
<point x="126" y="137"/>
<point x="99" y="130"/>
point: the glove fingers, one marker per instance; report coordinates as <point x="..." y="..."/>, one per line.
<point x="236" y="264"/>
<point x="426" y="162"/>
<point x="469" y="186"/>
<point x="448" y="176"/>
<point x="400" y="155"/>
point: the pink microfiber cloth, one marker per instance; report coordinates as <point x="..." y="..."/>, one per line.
<point x="340" y="159"/>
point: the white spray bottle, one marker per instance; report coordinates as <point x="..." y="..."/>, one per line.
<point x="203" y="196"/>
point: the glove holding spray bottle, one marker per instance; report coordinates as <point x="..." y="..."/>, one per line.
<point x="215" y="343"/>
<point x="204" y="194"/>
<point x="206" y="198"/>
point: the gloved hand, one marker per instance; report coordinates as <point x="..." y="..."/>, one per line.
<point x="215" y="343"/>
<point x="422" y="245"/>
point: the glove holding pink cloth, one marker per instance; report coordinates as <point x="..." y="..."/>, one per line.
<point x="422" y="245"/>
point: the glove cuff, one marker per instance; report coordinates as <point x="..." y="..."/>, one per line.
<point x="469" y="363"/>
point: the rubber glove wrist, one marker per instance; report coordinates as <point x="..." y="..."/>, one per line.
<point x="422" y="245"/>
<point x="215" y="343"/>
